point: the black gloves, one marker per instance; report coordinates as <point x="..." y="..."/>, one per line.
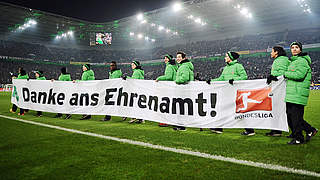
<point x="124" y="77"/>
<point x="208" y="81"/>
<point x="231" y="81"/>
<point x="271" y="78"/>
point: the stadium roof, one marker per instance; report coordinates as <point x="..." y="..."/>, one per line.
<point x="220" y="19"/>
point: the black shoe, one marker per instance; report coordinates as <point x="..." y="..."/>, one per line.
<point x="106" y="118"/>
<point x="274" y="134"/>
<point x="246" y="133"/>
<point x="295" y="142"/>
<point x="179" y="129"/>
<point x="68" y="116"/>
<point x="290" y="136"/>
<point x="309" y="135"/>
<point x="85" y="117"/>
<point x="58" y="116"/>
<point x="139" y="121"/>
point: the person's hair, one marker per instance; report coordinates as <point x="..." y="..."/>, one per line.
<point x="64" y="70"/>
<point x="22" y="72"/>
<point x="114" y="62"/>
<point x="183" y="55"/>
<point x="280" y="50"/>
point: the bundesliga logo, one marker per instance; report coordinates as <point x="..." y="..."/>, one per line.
<point x="253" y="100"/>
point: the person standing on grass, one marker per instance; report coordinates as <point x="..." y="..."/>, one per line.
<point x="64" y="76"/>
<point x="231" y="72"/>
<point x="21" y="75"/>
<point x="298" y="78"/>
<point x="87" y="75"/>
<point x="184" y="75"/>
<point x="279" y="66"/>
<point x="169" y="74"/>
<point x="39" y="76"/>
<point x="138" y="73"/>
<point x="113" y="74"/>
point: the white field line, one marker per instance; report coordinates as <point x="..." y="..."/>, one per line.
<point x="181" y="151"/>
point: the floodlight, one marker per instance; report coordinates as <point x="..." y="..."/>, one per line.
<point x="161" y="28"/>
<point x="140" y="16"/>
<point x="70" y="33"/>
<point x="140" y="36"/>
<point x="198" y="20"/>
<point x="146" y="38"/>
<point x="153" y="40"/>
<point x="131" y="34"/>
<point x="244" y="11"/>
<point x="177" y="7"/>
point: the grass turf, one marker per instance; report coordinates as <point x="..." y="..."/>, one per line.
<point x="30" y="142"/>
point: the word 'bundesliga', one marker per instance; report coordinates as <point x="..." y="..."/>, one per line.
<point x="154" y="103"/>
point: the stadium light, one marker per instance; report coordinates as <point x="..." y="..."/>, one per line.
<point x="140" y="16"/>
<point x="177" y="7"/>
<point x="146" y="38"/>
<point x="140" y="36"/>
<point x="168" y="30"/>
<point x="70" y="33"/>
<point x="161" y="28"/>
<point x="153" y="40"/>
<point x="131" y="33"/>
<point x="244" y="11"/>
<point x="144" y="21"/>
<point x="152" y="24"/>
<point x="198" y="20"/>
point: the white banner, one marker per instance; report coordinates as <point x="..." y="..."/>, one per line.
<point x="246" y="104"/>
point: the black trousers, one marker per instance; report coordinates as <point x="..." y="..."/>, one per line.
<point x="296" y="122"/>
<point x="14" y="109"/>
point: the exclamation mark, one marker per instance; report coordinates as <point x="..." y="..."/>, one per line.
<point x="213" y="104"/>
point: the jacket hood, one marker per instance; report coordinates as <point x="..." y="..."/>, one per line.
<point x="90" y="72"/>
<point x="187" y="63"/>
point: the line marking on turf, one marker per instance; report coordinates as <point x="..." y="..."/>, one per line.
<point x="180" y="151"/>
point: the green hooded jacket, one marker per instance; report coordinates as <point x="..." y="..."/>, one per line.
<point x="64" y="77"/>
<point x="232" y="70"/>
<point x="280" y="65"/>
<point x="137" y="74"/>
<point x="115" y="74"/>
<point x="41" y="78"/>
<point x="298" y="79"/>
<point x="23" y="77"/>
<point x="87" y="75"/>
<point x="169" y="74"/>
<point x="185" y="72"/>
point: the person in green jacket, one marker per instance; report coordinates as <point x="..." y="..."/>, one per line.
<point x="87" y="75"/>
<point x="64" y="76"/>
<point x="113" y="74"/>
<point x="185" y="69"/>
<point x="21" y="75"/>
<point x="298" y="78"/>
<point x="39" y="76"/>
<point x="138" y="73"/>
<point x="170" y="71"/>
<point x="184" y="75"/>
<point x="279" y="66"/>
<point x="169" y="74"/>
<point x="231" y="72"/>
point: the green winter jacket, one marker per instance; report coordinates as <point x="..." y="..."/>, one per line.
<point x="115" y="74"/>
<point x="41" y="78"/>
<point x="64" y="77"/>
<point x="232" y="70"/>
<point x="137" y="74"/>
<point x="169" y="74"/>
<point x="23" y="77"/>
<point x="87" y="75"/>
<point x="298" y="79"/>
<point x="185" y="72"/>
<point x="280" y="65"/>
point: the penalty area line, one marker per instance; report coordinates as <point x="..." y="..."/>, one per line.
<point x="180" y="151"/>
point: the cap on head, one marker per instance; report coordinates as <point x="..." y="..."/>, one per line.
<point x="233" y="55"/>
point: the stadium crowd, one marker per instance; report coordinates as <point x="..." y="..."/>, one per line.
<point x="193" y="49"/>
